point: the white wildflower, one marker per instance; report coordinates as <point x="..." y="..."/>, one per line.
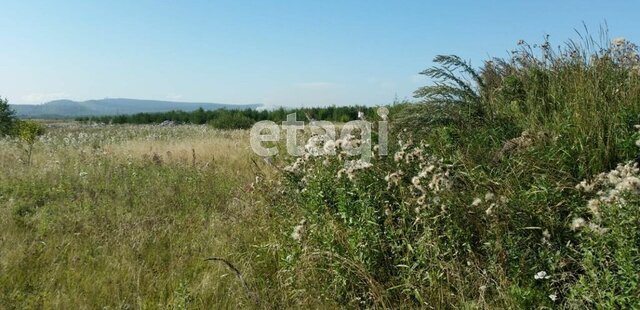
<point x="330" y="147"/>
<point x="541" y="275"/>
<point x="553" y="297"/>
<point x="584" y="186"/>
<point x="398" y="156"/>
<point x="594" y="207"/>
<point x="313" y="146"/>
<point x="298" y="231"/>
<point x="393" y="179"/>
<point x="357" y="164"/>
<point x="476" y="202"/>
<point x="350" y="167"/>
<point x="631" y="184"/>
<point x="577" y="223"/>
<point x="597" y="229"/>
<point x="430" y="168"/>
<point x="489" y="210"/>
<point x="489" y="196"/>
<point x="545" y="237"/>
<point x="618" y="41"/>
<point x="504" y="200"/>
<point x="416" y="183"/>
<point x="440" y="181"/>
<point x="295" y="166"/>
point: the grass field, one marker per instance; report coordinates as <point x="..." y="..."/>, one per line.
<point x="124" y="216"/>
<point x="512" y="186"/>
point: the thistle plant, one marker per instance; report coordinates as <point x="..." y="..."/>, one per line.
<point x="476" y="205"/>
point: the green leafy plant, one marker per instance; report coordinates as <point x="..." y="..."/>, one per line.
<point x="28" y="132"/>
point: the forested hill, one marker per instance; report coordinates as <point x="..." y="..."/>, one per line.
<point x="119" y="106"/>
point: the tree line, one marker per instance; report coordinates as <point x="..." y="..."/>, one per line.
<point x="236" y="119"/>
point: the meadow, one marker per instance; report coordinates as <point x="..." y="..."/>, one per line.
<point x="514" y="185"/>
<point x="124" y="216"/>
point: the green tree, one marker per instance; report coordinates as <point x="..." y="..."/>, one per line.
<point x="198" y="116"/>
<point x="7" y="118"/>
<point x="28" y="133"/>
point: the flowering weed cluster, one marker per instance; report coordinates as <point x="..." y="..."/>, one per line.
<point x="483" y="210"/>
<point x="608" y="234"/>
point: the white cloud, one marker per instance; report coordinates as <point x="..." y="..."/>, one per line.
<point x="42" y="97"/>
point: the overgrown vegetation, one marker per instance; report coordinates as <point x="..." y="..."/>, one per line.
<point x="25" y="132"/>
<point x="477" y="206"/>
<point x="123" y="218"/>
<point x="512" y="185"/>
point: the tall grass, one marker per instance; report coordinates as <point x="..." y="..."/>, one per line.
<point x="476" y="207"/>
<point x="123" y="218"/>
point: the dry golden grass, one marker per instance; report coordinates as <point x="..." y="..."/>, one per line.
<point x="98" y="222"/>
<point x="230" y="148"/>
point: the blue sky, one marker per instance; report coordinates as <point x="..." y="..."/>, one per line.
<point x="280" y="53"/>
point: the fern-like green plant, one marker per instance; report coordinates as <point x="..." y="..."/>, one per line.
<point x="455" y="82"/>
<point x="455" y="97"/>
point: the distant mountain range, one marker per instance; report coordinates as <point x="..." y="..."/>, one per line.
<point x="69" y="108"/>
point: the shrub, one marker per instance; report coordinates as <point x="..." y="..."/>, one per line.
<point x="28" y="133"/>
<point x="232" y="121"/>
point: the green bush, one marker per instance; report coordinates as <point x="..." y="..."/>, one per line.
<point x="28" y="133"/>
<point x="231" y="121"/>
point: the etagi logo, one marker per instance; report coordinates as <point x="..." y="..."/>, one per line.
<point x="323" y="132"/>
